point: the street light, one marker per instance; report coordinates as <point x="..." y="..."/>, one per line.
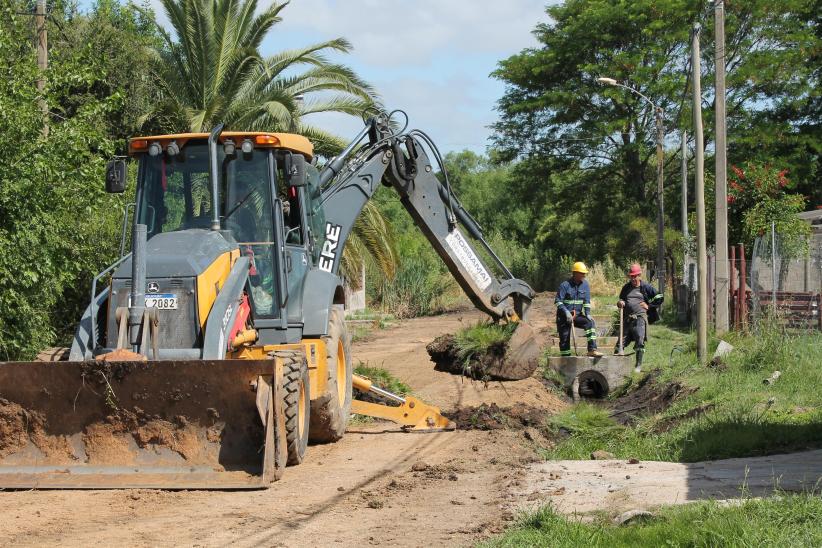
<point x="660" y="222"/>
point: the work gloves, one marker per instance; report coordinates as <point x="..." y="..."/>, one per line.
<point x="568" y="317"/>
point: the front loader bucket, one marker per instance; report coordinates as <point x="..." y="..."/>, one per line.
<point x="141" y="424"/>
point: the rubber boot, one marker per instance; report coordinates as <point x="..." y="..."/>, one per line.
<point x="639" y="353"/>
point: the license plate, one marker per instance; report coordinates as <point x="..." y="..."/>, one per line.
<point x="161" y="301"/>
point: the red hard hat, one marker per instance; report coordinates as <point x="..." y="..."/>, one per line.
<point x="636" y="270"/>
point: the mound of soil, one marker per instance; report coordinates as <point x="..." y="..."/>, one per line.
<point x="493" y="417"/>
<point x="650" y="397"/>
<point x="496" y="364"/>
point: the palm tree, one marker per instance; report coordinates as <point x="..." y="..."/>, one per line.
<point x="211" y="71"/>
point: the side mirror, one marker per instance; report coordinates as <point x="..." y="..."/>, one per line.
<point x="294" y="167"/>
<point x="116" y="176"/>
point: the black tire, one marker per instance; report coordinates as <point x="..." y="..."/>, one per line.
<point x="296" y="398"/>
<point x="331" y="410"/>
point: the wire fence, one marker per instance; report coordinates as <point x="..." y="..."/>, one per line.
<point x="784" y="285"/>
<point x="763" y="281"/>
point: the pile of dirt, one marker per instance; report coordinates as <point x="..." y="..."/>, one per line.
<point x="493" y="417"/>
<point x="649" y="397"/>
<point x="446" y="357"/>
<point x="497" y="363"/>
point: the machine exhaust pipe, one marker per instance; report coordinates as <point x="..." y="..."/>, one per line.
<point x="137" y="306"/>
<point x="214" y="173"/>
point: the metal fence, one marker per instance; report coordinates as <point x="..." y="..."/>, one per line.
<point x="789" y="287"/>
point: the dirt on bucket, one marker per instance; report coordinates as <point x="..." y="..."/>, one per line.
<point x="19" y="426"/>
<point x="515" y="359"/>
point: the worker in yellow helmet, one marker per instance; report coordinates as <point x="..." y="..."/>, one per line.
<point x="573" y="302"/>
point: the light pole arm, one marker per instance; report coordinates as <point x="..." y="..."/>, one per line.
<point x="635" y="92"/>
<point x="659" y="119"/>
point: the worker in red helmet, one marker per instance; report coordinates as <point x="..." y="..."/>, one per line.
<point x="640" y="303"/>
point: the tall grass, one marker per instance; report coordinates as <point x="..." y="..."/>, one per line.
<point x="736" y="413"/>
<point x="476" y="340"/>
<point x="418" y="289"/>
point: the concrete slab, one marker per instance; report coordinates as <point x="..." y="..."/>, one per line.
<point x="607" y="373"/>
<point x="605" y="344"/>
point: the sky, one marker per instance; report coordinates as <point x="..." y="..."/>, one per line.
<point x="431" y="58"/>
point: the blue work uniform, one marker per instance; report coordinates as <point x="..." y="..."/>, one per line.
<point x="575" y="299"/>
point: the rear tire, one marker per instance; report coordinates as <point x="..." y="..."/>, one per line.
<point x="53" y="354"/>
<point x="331" y="410"/>
<point x="296" y="398"/>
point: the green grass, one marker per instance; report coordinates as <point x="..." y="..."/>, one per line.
<point x="475" y="340"/>
<point x="788" y="520"/>
<point x="743" y="416"/>
<point x="382" y="378"/>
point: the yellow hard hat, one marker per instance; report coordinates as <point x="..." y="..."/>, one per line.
<point x="579" y="266"/>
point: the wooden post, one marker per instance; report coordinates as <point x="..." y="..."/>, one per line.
<point x="42" y="59"/>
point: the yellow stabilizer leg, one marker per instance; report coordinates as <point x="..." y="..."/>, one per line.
<point x="412" y="412"/>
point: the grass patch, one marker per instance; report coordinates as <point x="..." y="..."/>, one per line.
<point x="724" y="411"/>
<point x="382" y="378"/>
<point x="788" y="520"/>
<point x="479" y="339"/>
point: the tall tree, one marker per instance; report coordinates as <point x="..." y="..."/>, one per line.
<point x="57" y="226"/>
<point x="587" y="166"/>
<point x="211" y="70"/>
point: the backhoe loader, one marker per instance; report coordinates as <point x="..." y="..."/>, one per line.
<point x="214" y="350"/>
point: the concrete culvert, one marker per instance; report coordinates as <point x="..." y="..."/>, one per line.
<point x="590" y="384"/>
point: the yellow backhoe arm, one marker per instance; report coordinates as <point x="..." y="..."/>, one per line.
<point x="412" y="412"/>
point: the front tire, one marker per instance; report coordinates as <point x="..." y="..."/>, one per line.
<point x="331" y="410"/>
<point x="296" y="400"/>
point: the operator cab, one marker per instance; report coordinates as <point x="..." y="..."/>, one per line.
<point x="174" y="194"/>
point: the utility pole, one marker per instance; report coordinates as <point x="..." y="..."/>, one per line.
<point x="721" y="227"/>
<point x="702" y="251"/>
<point x="684" y="200"/>
<point x="660" y="208"/>
<point x="686" y="259"/>
<point x="42" y="59"/>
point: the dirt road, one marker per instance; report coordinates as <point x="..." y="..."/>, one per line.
<point x="383" y="487"/>
<point x="360" y="490"/>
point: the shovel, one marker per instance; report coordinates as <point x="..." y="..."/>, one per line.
<point x="621" y="349"/>
<point x="573" y="333"/>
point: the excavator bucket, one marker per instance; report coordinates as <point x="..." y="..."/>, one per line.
<point x="521" y="358"/>
<point x="141" y="424"/>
